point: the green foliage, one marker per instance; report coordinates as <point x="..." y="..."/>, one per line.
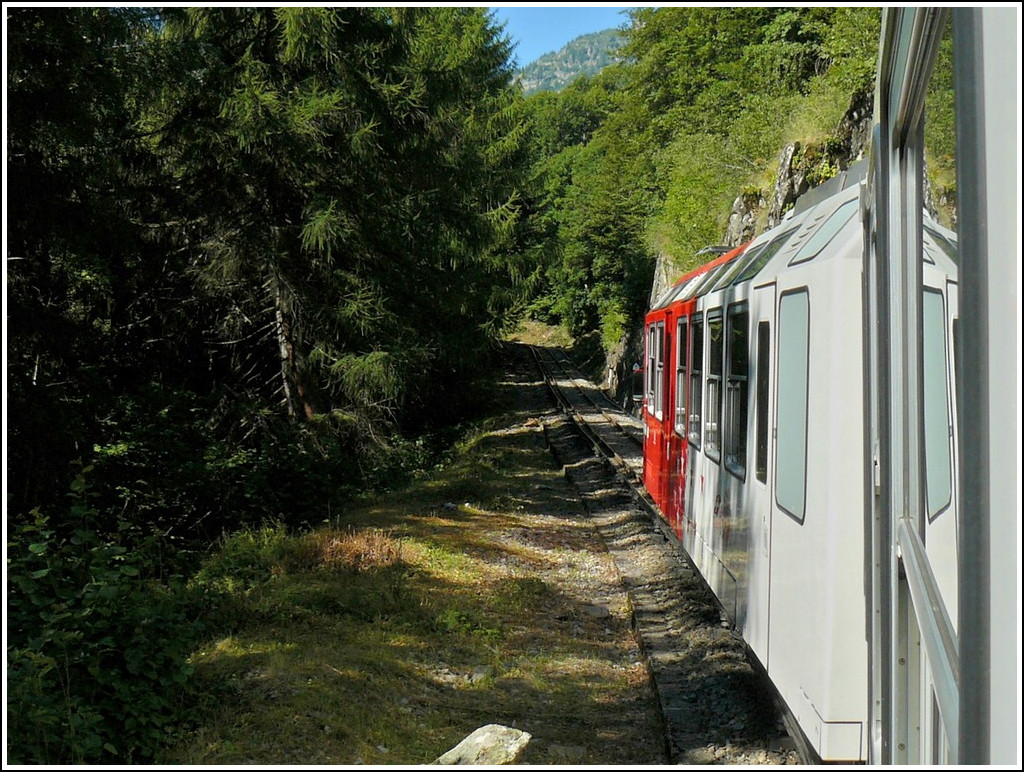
<point x="96" y="649"/>
<point x="703" y="178"/>
<point x="268" y="572"/>
<point x="376" y="182"/>
<point x="648" y="158"/>
<point x="252" y="254"/>
<point x="245" y="559"/>
<point x="311" y="225"/>
<point x="940" y="134"/>
<point x="851" y="47"/>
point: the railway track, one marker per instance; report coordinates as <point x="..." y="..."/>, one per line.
<point x="614" y="434"/>
<point x="718" y="707"/>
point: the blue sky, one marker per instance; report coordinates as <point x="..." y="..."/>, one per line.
<point x="538" y="29"/>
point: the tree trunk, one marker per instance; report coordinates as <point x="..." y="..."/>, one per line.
<point x="295" y="394"/>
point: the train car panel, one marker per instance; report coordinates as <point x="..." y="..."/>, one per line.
<point x="753" y="618"/>
<point x="655" y="462"/>
<point x="818" y="654"/>
<point x="660" y="455"/>
<point x="677" y="436"/>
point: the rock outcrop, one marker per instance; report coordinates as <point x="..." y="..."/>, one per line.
<point x="743" y="219"/>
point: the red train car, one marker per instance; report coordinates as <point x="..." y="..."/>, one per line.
<point x="666" y="409"/>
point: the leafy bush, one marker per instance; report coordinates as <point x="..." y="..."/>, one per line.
<point x="245" y="559"/>
<point x="97" y="651"/>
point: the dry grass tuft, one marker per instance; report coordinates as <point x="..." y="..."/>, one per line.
<point x="353" y="550"/>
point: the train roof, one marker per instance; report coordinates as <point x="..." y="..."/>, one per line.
<point x="678" y="289"/>
<point x="748" y="259"/>
<point x="824" y="225"/>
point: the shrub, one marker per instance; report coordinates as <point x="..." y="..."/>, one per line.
<point x="97" y="651"/>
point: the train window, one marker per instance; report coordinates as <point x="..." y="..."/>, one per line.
<point x="713" y="412"/>
<point x="939" y="238"/>
<point x="649" y="387"/>
<point x="763" y="256"/>
<point x="687" y="289"/>
<point x="791" y="404"/>
<point x="947" y="244"/>
<point x="681" y="345"/>
<point x="655" y="367"/>
<point x="659" y="370"/>
<point x="668" y="296"/>
<point x="937" y="430"/>
<point x="734" y="267"/>
<point x="696" y="370"/>
<point x="940" y="135"/>
<point x="736" y="389"/>
<point x="709" y="279"/>
<point x="763" y="342"/>
<point x="824" y="235"/>
<point x="958" y="385"/>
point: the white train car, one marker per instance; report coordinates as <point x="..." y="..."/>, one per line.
<point x="836" y="469"/>
<point x="770" y="522"/>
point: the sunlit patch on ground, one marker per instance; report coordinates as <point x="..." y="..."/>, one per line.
<point x="479" y="595"/>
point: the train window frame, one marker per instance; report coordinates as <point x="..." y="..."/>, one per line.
<point x="649" y="385"/>
<point x="764" y="255"/>
<point x="735" y="439"/>
<point x="708" y="280"/>
<point x="825" y="234"/>
<point x="713" y="382"/>
<point x="936" y="419"/>
<point x="762" y="390"/>
<point x="735" y="266"/>
<point x="660" y="384"/>
<point x="943" y="242"/>
<point x="656" y="363"/>
<point x="682" y="365"/>
<point x="669" y="296"/>
<point x="791" y="437"/>
<point x="696" y="390"/>
<point x="687" y="288"/>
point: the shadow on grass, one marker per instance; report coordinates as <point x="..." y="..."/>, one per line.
<point x="393" y="667"/>
<point x="474" y="625"/>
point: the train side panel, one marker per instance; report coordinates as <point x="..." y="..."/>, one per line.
<point x="774" y="484"/>
<point x="817" y="640"/>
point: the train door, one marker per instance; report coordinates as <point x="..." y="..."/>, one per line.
<point x="941" y="537"/>
<point x="652" y="435"/>
<point x="695" y="393"/>
<point x="796" y="570"/>
<point x="668" y="412"/>
<point x="759" y="478"/>
<point x="677" y="440"/>
<point x="655" y="449"/>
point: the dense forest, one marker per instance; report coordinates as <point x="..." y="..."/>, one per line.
<point x="256" y="256"/>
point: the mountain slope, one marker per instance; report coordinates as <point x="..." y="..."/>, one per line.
<point x="585" y="55"/>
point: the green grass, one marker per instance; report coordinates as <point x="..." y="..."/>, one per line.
<point x="390" y="635"/>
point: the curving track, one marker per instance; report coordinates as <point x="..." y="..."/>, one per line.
<point x="616" y="435"/>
